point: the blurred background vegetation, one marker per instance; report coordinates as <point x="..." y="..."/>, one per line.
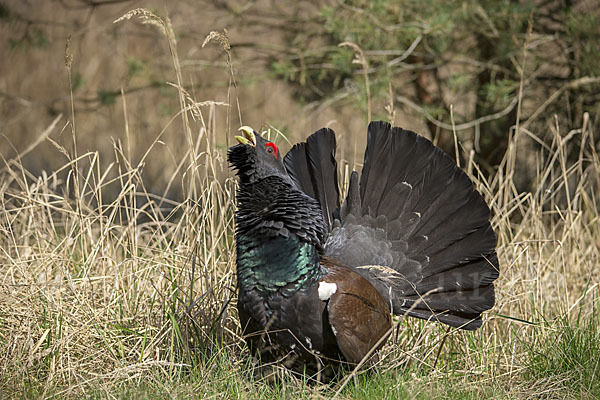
<point x="477" y="68"/>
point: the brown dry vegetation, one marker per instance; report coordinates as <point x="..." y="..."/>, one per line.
<point x="134" y="58"/>
<point x="109" y="288"/>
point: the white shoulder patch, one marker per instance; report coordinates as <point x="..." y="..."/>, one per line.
<point x="326" y="290"/>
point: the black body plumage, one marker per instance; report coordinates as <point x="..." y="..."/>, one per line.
<point x="412" y="237"/>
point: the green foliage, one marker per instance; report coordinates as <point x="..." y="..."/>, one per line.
<point x="460" y="81"/>
<point x="39" y="39"/>
<point x="135" y="66"/>
<point x="456" y="49"/>
<point x="585" y="29"/>
<point x="107" y="97"/>
<point x="384" y="30"/>
<point x="14" y="43"/>
<point x="34" y="38"/>
<point x="500" y="92"/>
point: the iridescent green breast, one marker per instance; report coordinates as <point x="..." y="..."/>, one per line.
<point x="270" y="264"/>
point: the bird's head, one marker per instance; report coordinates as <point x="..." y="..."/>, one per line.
<point x="255" y="158"/>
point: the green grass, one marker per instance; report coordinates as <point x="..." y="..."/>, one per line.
<point x="220" y="378"/>
<point x="571" y="354"/>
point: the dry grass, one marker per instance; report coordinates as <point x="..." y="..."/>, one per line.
<point x="134" y="297"/>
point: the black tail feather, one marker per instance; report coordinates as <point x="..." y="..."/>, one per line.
<point x="313" y="168"/>
<point x="479" y="273"/>
<point x="352" y="205"/>
<point x="467" y="322"/>
<point x="472" y="301"/>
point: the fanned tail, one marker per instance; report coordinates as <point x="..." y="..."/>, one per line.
<point x="422" y="236"/>
<point x="413" y="225"/>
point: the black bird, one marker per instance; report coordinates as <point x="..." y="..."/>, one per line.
<point x="317" y="278"/>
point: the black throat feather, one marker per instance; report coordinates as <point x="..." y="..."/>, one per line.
<point x="243" y="160"/>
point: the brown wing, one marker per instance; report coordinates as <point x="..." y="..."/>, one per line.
<point x="358" y="314"/>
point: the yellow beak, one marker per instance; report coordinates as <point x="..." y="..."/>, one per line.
<point x="249" y="137"/>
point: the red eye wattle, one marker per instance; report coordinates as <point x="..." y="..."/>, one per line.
<point x="271" y="148"/>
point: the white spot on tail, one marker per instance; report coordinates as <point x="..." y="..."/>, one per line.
<point x="407" y="184"/>
<point x="334" y="331"/>
<point x="326" y="290"/>
<point x="308" y="342"/>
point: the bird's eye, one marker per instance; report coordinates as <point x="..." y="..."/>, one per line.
<point x="271" y="149"/>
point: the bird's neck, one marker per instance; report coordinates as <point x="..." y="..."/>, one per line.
<point x="278" y="237"/>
